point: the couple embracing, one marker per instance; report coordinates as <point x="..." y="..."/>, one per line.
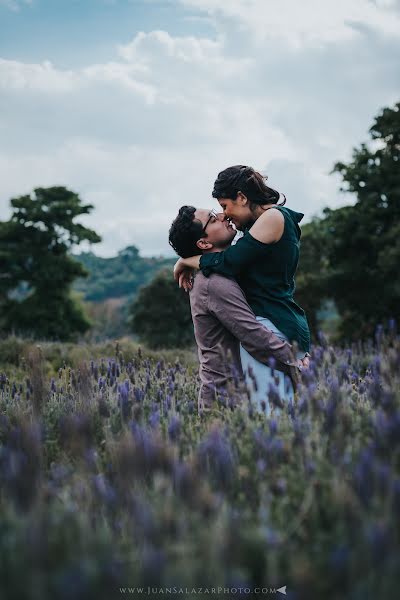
<point x="245" y="319"/>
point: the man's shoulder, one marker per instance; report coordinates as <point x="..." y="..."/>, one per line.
<point x="221" y="285"/>
<point x="214" y="284"/>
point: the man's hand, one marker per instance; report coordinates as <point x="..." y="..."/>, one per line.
<point x="304" y="363"/>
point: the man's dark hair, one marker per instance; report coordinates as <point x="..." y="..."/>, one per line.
<point x="240" y="178"/>
<point x="185" y="231"/>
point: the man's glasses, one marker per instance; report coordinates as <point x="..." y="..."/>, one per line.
<point x="211" y="215"/>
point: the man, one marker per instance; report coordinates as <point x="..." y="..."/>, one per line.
<point x="221" y="315"/>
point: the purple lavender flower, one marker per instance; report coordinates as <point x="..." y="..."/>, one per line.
<point x="310" y="467"/>
<point x="291" y="411"/>
<point x="300" y="431"/>
<point x="104" y="489"/>
<point x="303" y="405"/>
<point x="261" y="465"/>
<point x="379" y="538"/>
<point x="113" y="368"/>
<point x="396" y="497"/>
<point x="143" y="518"/>
<point x="322" y="339"/>
<point x="153" y="565"/>
<point x="154" y="419"/>
<point x="174" y="428"/>
<point x="339" y="557"/>
<point x="392" y="325"/>
<point x="73" y="582"/>
<point x="363" y="476"/>
<point x="124" y="401"/>
<point x="272" y="538"/>
<point x="215" y="455"/>
<point x="59" y="472"/>
<point x="91" y="457"/>
<point x="273" y="426"/>
<point x="3" y="381"/>
<point x="383" y="478"/>
<point x="138" y="394"/>
<point x="274" y="396"/>
<point x="4" y="424"/>
<point x="379" y="335"/>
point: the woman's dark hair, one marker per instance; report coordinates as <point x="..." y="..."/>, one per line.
<point x="185" y="231"/>
<point x="244" y="179"/>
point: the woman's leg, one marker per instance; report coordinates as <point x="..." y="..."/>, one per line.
<point x="259" y="378"/>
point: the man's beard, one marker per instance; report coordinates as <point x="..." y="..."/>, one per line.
<point x="224" y="244"/>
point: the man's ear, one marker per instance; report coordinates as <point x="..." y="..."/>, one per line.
<point x="203" y="244"/>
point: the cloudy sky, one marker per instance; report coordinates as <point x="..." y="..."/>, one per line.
<point x="137" y="104"/>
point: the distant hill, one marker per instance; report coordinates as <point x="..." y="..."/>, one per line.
<point x="119" y="276"/>
<point x="111" y="286"/>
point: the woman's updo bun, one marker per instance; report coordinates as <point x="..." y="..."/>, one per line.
<point x="251" y="183"/>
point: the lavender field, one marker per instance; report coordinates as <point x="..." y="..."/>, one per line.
<point x="110" y="479"/>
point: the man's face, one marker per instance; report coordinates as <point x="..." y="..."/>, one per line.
<point x="218" y="230"/>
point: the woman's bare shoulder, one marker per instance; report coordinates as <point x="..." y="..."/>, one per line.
<point x="269" y="226"/>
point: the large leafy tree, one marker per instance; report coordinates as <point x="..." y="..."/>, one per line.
<point x="364" y="243"/>
<point x="160" y="315"/>
<point x="313" y="273"/>
<point x="36" y="269"/>
<point x="352" y="254"/>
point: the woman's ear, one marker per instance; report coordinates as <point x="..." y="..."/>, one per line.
<point x="203" y="244"/>
<point x="242" y="198"/>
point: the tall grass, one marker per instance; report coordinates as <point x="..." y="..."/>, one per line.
<point x="110" y="478"/>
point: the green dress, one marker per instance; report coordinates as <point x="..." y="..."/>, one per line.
<point x="265" y="272"/>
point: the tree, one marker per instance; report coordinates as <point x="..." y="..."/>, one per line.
<point x="313" y="271"/>
<point x="364" y="245"/>
<point x="36" y="268"/>
<point x="351" y="254"/>
<point x="161" y="315"/>
<point x="118" y="276"/>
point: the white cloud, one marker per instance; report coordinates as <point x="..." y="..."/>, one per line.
<point x="156" y="48"/>
<point x="121" y="75"/>
<point x="142" y="135"/>
<point x="15" y="4"/>
<point x="43" y="77"/>
<point x="299" y="24"/>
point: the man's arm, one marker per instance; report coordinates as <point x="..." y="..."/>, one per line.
<point x="227" y="303"/>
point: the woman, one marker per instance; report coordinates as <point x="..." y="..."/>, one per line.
<point x="263" y="261"/>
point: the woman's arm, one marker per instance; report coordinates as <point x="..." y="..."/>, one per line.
<point x="268" y="229"/>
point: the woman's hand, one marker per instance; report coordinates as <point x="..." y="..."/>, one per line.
<point x="186" y="279"/>
<point x="179" y="269"/>
<point x="185" y="264"/>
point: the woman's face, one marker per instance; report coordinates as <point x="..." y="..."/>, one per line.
<point x="237" y="211"/>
